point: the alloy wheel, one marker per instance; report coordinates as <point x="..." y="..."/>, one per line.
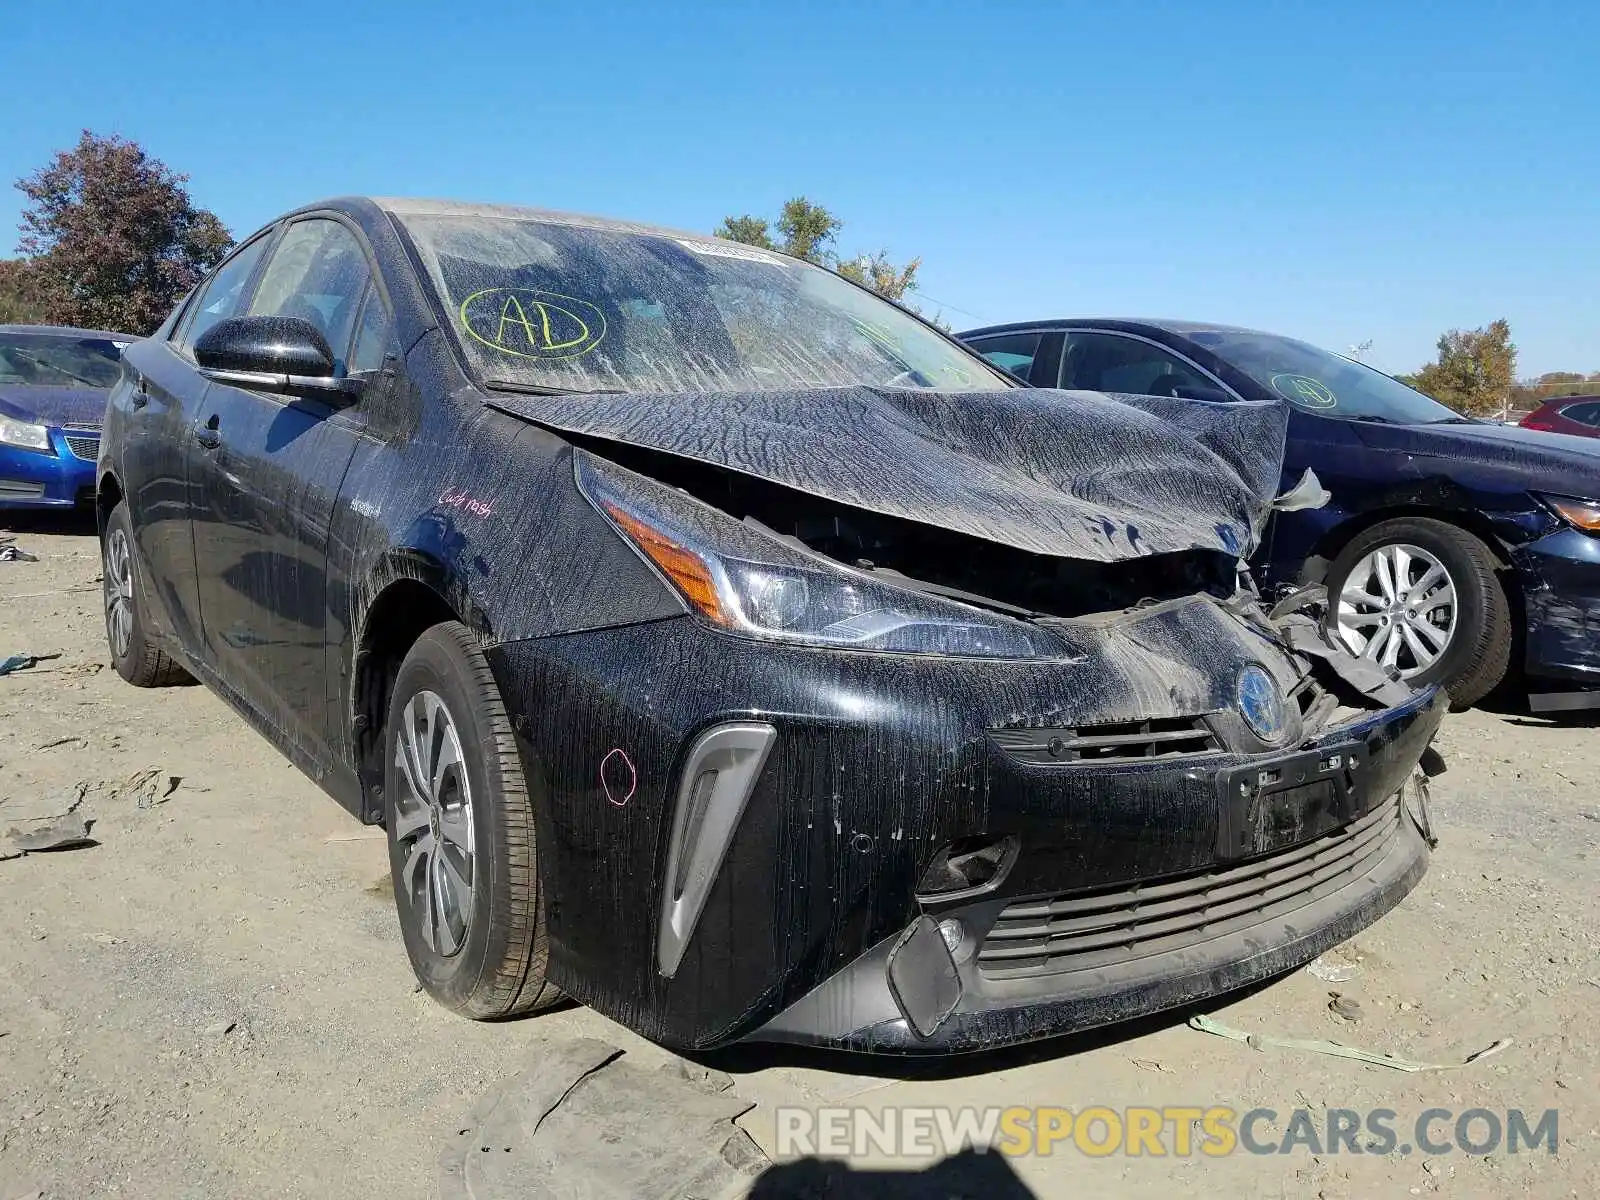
<point x="118" y="573"/>
<point x="433" y="823"/>
<point x="1398" y="608"/>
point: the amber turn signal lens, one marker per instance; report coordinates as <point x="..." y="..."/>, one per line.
<point x="683" y="566"/>
<point x="1585" y="514"/>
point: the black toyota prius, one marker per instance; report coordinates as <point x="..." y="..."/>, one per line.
<point x="726" y="648"/>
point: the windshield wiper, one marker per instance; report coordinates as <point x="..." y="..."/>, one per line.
<point x="536" y="389"/>
<point x="1372" y="419"/>
<point x="50" y="366"/>
<point x="1456" y="421"/>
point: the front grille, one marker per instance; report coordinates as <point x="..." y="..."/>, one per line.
<point x="1105" y="928"/>
<point x="83" y="445"/>
<point x="20" y="489"/>
<point x="1127" y="741"/>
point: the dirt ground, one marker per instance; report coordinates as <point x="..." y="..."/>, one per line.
<point x="213" y="1000"/>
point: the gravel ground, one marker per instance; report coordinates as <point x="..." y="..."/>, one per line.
<point x="213" y="999"/>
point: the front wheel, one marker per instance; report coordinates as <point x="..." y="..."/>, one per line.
<point x="136" y="655"/>
<point x="462" y="852"/>
<point x="1421" y="597"/>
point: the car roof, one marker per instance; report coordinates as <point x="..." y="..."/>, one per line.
<point x="404" y="207"/>
<point x="71" y="331"/>
<point x="1165" y="324"/>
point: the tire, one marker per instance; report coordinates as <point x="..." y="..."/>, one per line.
<point x="137" y="656"/>
<point x="1476" y="653"/>
<point x="478" y="949"/>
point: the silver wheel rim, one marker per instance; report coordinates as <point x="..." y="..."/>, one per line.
<point x="1398" y="608"/>
<point x="433" y="823"/>
<point x="118" y="573"/>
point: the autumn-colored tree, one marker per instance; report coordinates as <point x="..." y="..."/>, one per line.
<point x="112" y="238"/>
<point x="809" y="231"/>
<point x="1528" y="394"/>
<point x="1474" y="370"/>
<point x="19" y="294"/>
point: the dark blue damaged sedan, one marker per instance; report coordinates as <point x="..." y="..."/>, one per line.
<point x="1459" y="552"/>
<point x="728" y="649"/>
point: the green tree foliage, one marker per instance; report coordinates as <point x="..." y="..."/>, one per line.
<point x="809" y="231"/>
<point x="112" y="239"/>
<point x="1474" y="371"/>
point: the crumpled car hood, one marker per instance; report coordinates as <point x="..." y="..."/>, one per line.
<point x="1072" y="474"/>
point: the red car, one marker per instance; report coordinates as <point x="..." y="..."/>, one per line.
<point x="1567" y="414"/>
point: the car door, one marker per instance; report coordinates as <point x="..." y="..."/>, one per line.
<point x="272" y="471"/>
<point x="155" y="406"/>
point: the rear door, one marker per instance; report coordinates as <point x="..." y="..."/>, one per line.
<point x="155" y="406"/>
<point x="272" y="476"/>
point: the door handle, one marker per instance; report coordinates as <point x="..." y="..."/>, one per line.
<point x="207" y="434"/>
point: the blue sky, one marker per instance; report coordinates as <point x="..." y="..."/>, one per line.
<point x="1340" y="172"/>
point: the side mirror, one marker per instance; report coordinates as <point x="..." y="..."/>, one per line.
<point x="287" y="355"/>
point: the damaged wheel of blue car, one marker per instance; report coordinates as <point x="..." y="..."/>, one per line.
<point x="462" y="851"/>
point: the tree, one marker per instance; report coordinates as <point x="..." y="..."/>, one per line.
<point x="1474" y="371"/>
<point x="112" y="238"/>
<point x="878" y="273"/>
<point x="19" y="294"/>
<point x="809" y="231"/>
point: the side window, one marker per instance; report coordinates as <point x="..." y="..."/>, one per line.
<point x="219" y="296"/>
<point x="318" y="273"/>
<point x="1011" y="352"/>
<point x="372" y="334"/>
<point x="1108" y="362"/>
<point x="1584" y="414"/>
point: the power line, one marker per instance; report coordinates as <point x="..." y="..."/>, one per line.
<point x="921" y="295"/>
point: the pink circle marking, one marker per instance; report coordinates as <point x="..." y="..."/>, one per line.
<point x="633" y="777"/>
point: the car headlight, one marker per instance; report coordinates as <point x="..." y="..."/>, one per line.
<point x="1584" y="514"/>
<point x="24" y="434"/>
<point x="748" y="580"/>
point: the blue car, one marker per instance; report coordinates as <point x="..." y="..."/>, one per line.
<point x="53" y="386"/>
<point x="1455" y="551"/>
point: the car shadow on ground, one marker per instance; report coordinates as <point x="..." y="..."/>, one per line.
<point x="1515" y="710"/>
<point x="968" y="1174"/>
<point x="68" y="521"/>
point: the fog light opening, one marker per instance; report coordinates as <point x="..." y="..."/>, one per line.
<point x="953" y="932"/>
<point x="967" y="866"/>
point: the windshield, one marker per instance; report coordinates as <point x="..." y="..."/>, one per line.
<point x="1317" y="381"/>
<point x="58" y="360"/>
<point x="544" y="304"/>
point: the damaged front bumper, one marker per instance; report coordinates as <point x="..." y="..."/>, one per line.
<point x="1016" y="966"/>
<point x="736" y="837"/>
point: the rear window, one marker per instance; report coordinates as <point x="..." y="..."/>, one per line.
<point x="59" y="360"/>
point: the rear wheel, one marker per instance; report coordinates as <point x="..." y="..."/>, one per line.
<point x="461" y="837"/>
<point x="137" y="656"/>
<point x="1421" y="596"/>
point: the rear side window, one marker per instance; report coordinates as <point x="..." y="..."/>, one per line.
<point x="1584" y="414"/>
<point x="220" y="295"/>
<point x="1013" y="352"/>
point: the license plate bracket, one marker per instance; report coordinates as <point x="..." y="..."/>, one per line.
<point x="1267" y="806"/>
